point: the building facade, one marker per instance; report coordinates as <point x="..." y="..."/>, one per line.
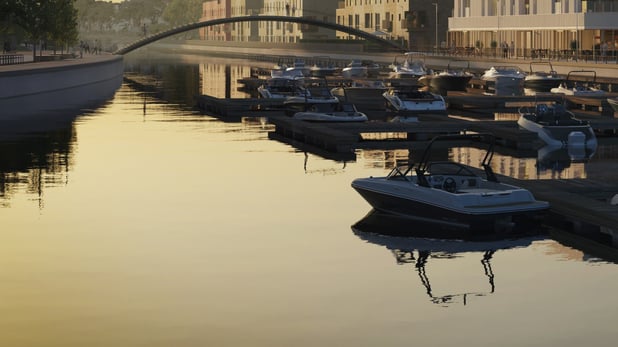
<point x="278" y="32"/>
<point x="418" y="24"/>
<point x="536" y="27"/>
<point x="214" y="9"/>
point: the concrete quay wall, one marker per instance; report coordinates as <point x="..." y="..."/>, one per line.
<point x="29" y="90"/>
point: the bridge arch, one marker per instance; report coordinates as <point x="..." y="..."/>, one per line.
<point x="356" y="32"/>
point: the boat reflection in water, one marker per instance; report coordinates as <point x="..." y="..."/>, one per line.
<point x="415" y="248"/>
<point x="559" y="158"/>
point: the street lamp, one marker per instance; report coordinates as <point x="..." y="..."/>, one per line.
<point x="436" y="5"/>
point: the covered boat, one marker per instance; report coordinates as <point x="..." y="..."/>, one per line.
<point x="450" y="193"/>
<point x="450" y="79"/>
<point x="557" y="126"/>
<point x="504" y="81"/>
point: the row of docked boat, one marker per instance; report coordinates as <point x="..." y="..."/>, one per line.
<point x="312" y="99"/>
<point x="501" y="80"/>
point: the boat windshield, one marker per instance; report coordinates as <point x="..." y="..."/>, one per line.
<point x="399" y="173"/>
<point x="448" y="168"/>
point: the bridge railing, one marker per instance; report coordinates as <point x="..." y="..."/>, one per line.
<point x="10" y="59"/>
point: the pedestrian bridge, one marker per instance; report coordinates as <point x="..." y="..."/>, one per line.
<point x="208" y="23"/>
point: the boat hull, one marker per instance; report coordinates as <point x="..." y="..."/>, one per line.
<point x="504" y="86"/>
<point x="334" y="117"/>
<point x="443" y="84"/>
<point x="561" y="135"/>
<point x="420" y="206"/>
<point x="542" y="84"/>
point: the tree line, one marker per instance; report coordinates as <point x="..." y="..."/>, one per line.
<point x="59" y="23"/>
<point x="131" y="15"/>
<point x="40" y="22"/>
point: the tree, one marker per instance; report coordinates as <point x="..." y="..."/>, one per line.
<point x="64" y="28"/>
<point x="43" y="20"/>
<point x="180" y="12"/>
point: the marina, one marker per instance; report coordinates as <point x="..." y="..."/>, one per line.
<point x="582" y="206"/>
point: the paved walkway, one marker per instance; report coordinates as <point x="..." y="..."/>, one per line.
<point x="29" y="65"/>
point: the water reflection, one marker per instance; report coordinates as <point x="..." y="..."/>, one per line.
<point x="553" y="161"/>
<point x="34" y="161"/>
<point x="417" y="250"/>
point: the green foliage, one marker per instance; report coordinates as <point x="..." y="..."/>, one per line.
<point x="180" y="12"/>
<point x="54" y="20"/>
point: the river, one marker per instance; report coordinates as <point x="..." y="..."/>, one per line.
<point x="143" y="222"/>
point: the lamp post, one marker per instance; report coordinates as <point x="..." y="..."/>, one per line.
<point x="436" y="5"/>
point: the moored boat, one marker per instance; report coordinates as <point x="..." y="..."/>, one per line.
<point x="410" y="66"/>
<point x="331" y="112"/>
<point x="322" y="67"/>
<point x="571" y="87"/>
<point x="504" y="81"/>
<point x="557" y="126"/>
<point x="280" y="87"/>
<point x="450" y="193"/>
<point x="355" y="69"/>
<point x="361" y="91"/>
<point x="450" y="79"/>
<point x="315" y="91"/>
<point x="414" y="100"/>
<point x="542" y="80"/>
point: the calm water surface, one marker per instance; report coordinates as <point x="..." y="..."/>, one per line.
<point x="143" y="223"/>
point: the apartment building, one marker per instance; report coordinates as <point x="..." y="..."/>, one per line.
<point x="418" y="24"/>
<point x="278" y="32"/>
<point x="214" y="9"/>
<point x="533" y="27"/>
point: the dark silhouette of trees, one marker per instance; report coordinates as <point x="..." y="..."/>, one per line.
<point x="47" y="21"/>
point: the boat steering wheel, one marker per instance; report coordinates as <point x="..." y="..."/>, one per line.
<point x="449" y="185"/>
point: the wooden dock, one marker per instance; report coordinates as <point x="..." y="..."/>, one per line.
<point x="580" y="208"/>
<point x="581" y="212"/>
<point x="345" y="137"/>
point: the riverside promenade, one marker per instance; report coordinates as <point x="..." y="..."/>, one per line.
<point x="33" y="88"/>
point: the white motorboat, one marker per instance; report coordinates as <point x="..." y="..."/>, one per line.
<point x="570" y="87"/>
<point x="322" y="67"/>
<point x="542" y="80"/>
<point x="355" y="69"/>
<point x="280" y="87"/>
<point x="413" y="100"/>
<point x="315" y="92"/>
<point x="557" y="126"/>
<point x="450" y="79"/>
<point x="330" y="112"/>
<point x="409" y="67"/>
<point x="450" y="193"/>
<point x="299" y="67"/>
<point x="504" y="81"/>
